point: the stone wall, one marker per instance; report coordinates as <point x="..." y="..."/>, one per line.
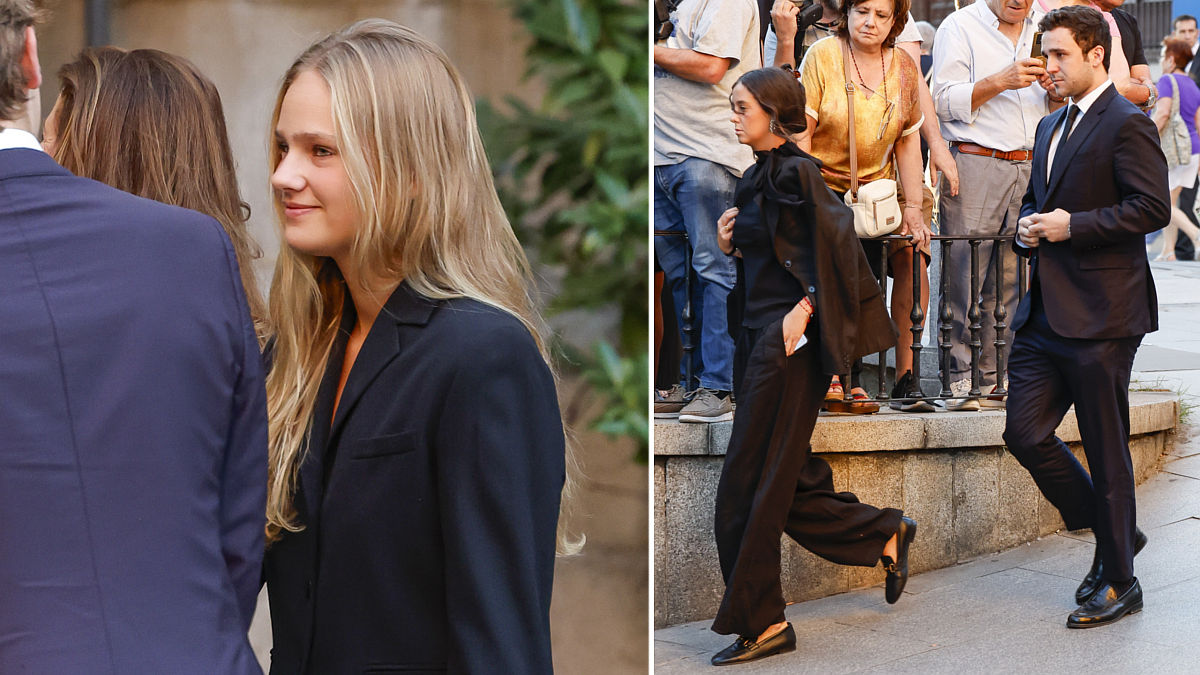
<point x="245" y="46"/>
<point x="949" y="471"/>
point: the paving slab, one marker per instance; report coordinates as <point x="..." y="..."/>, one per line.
<point x="1005" y="612"/>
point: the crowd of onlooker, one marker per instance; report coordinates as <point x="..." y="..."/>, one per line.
<point x="952" y="116"/>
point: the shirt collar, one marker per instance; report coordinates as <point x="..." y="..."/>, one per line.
<point x="1086" y="102"/>
<point x="986" y="13"/>
<point x="11" y="139"/>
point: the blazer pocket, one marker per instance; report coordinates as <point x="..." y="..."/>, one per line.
<point x="403" y="668"/>
<point x="1106" y="261"/>
<point x="383" y="446"/>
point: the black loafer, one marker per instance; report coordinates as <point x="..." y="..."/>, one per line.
<point x="1107" y="606"/>
<point x="1095" y="576"/>
<point x="744" y="649"/>
<point x="897" y="570"/>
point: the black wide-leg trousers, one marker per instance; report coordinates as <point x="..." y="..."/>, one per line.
<point x="1047" y="373"/>
<point x="771" y="484"/>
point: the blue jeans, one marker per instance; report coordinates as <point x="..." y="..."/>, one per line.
<point x="689" y="197"/>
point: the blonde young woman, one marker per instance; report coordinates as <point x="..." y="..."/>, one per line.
<point x="417" y="454"/>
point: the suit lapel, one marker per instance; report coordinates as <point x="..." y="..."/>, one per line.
<point x="1039" y="173"/>
<point x="379" y="349"/>
<point x="312" y="470"/>
<point x="1083" y="128"/>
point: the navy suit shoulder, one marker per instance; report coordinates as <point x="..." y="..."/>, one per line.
<point x="124" y="334"/>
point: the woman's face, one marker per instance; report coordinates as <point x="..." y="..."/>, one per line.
<point x="320" y="213"/>
<point x="50" y="128"/>
<point x="870" y="22"/>
<point x="751" y="124"/>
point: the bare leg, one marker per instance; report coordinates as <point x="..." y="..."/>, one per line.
<point x="901" y="264"/>
<point x="1170" y="232"/>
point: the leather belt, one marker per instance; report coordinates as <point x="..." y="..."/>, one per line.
<point x="1012" y="155"/>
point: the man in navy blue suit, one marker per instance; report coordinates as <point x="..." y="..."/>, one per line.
<point x="133" y="441"/>
<point x="1098" y="186"/>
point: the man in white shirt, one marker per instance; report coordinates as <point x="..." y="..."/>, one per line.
<point x="988" y="103"/>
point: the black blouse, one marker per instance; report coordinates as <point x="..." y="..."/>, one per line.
<point x="770" y="290"/>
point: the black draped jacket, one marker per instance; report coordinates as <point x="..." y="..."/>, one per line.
<point x="786" y="183"/>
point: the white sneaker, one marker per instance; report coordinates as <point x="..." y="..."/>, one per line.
<point x="958" y="399"/>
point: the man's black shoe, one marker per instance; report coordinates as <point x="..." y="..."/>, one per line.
<point x="897" y="571"/>
<point x="1107" y="606"/>
<point x="906" y="385"/>
<point x="744" y="649"/>
<point x="1095" y="576"/>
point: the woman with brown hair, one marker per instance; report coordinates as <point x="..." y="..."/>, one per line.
<point x="151" y="124"/>
<point x="887" y="117"/>
<point x="811" y="306"/>
<point x="1176" y="89"/>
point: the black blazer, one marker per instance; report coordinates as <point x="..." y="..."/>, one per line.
<point x="430" y="505"/>
<point x="787" y="184"/>
<point x="1112" y="178"/>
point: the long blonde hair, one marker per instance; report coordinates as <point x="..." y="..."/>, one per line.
<point x="406" y="130"/>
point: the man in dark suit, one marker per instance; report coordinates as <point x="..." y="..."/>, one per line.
<point x="1098" y="185"/>
<point x="132" y="420"/>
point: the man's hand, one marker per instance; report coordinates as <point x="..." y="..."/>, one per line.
<point x="783" y="18"/>
<point x="1020" y="74"/>
<point x="725" y="231"/>
<point x="1024" y="235"/>
<point x="1054" y="227"/>
<point x="940" y="159"/>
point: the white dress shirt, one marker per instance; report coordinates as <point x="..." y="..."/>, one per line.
<point x="1083" y="104"/>
<point x="11" y="139"/>
<point x="969" y="47"/>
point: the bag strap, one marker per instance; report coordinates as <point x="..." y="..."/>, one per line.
<point x="850" y="117"/>
<point x="1174" y="96"/>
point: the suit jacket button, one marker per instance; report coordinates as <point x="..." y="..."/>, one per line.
<point x="787" y="263"/>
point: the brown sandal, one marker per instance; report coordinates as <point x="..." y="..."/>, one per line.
<point x="857" y="404"/>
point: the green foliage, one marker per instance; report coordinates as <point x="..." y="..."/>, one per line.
<point x="572" y="175"/>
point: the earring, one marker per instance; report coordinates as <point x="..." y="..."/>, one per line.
<point x="774" y="128"/>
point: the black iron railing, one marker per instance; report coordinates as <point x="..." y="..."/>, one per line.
<point x="946" y="316"/>
<point x="916" y="317"/>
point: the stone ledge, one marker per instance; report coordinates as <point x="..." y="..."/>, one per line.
<point x="890" y="430"/>
<point x="949" y="471"/>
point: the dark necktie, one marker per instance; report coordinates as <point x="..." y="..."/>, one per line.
<point x="1072" y="113"/>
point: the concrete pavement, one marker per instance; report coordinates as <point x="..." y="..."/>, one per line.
<point x="1006" y="612"/>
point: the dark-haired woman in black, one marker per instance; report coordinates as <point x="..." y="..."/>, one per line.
<point x="811" y="307"/>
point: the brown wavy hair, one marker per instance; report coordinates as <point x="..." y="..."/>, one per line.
<point x="899" y="19"/>
<point x="151" y="124"/>
<point x="1178" y="51"/>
